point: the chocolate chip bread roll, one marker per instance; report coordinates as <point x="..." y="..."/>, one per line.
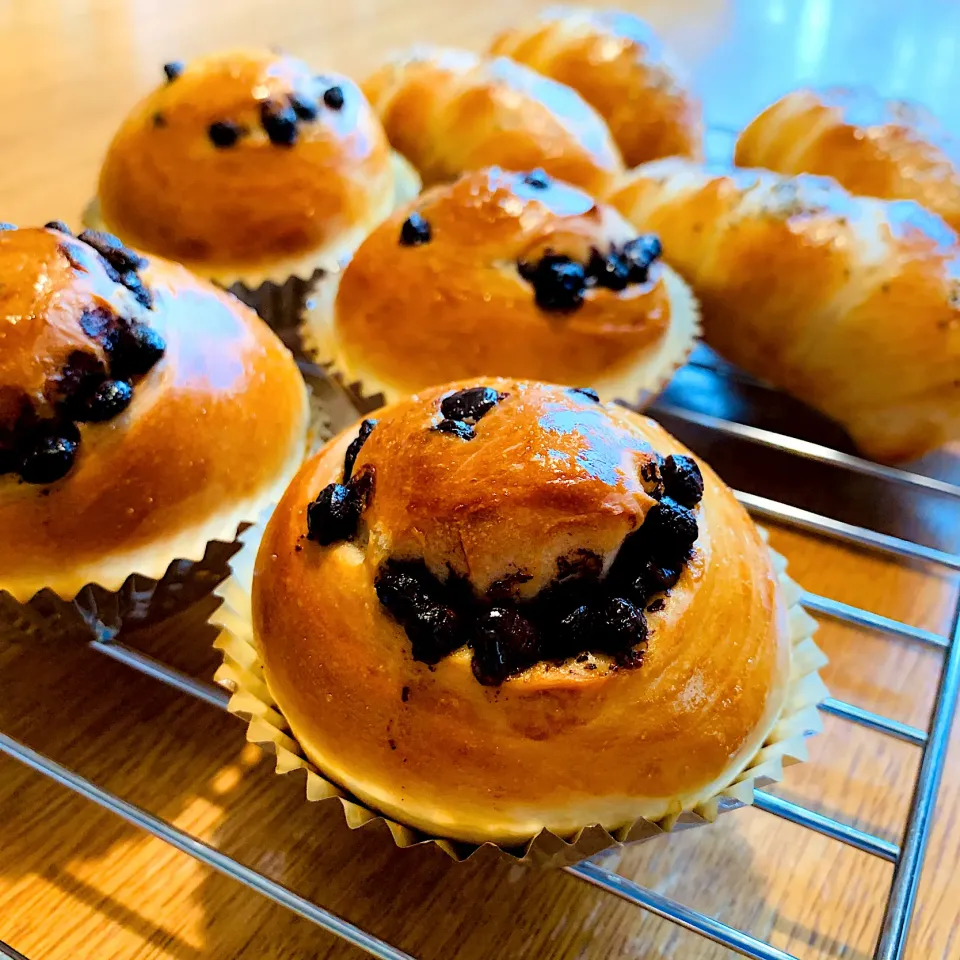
<point x="874" y="147"/>
<point x="143" y="413"/>
<point x="618" y="65"/>
<point x="849" y="303"/>
<point x="449" y="111"/>
<point x="504" y="607"/>
<point x="508" y="273"/>
<point x="247" y="167"/>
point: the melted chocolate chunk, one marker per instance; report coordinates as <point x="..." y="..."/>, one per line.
<point x="136" y="286"/>
<point x="120" y="257"/>
<point x="59" y="226"/>
<point x="620" y="626"/>
<point x="350" y="458"/>
<point x="470" y="404"/>
<point x="641" y="253"/>
<point x="537" y="179"/>
<point x="656" y="605"/>
<point x="588" y="392"/>
<point x="669" y="530"/>
<point x="458" y="428"/>
<point x="304" y="107"/>
<point x="652" y="473"/>
<point x="683" y="479"/>
<point x="611" y="271"/>
<point x="50" y="456"/>
<point x="76" y="383"/>
<point x="415" y="599"/>
<point x="333" y="516"/>
<point x="405" y="694"/>
<point x="224" y="133"/>
<point x="505" y="643"/>
<point x="173" y="69"/>
<point x="558" y="282"/>
<point x="134" y="349"/>
<point x="279" y="122"/>
<point x="333" y="97"/>
<point x="109" y="399"/>
<point x="96" y="322"/>
<point x="159" y="120"/>
<point x="415" y="231"/>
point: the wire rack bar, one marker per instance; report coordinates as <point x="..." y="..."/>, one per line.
<point x="844" y="532"/>
<point x="834" y="829"/>
<point x="201" y="851"/>
<point x="807" y="450"/>
<point x="865" y="618"/>
<point x="874" y="721"/>
<point x="7" y="951"/>
<point x="916" y="836"/>
<point x="668" y="909"/>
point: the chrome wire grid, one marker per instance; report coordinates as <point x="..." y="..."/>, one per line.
<point x="907" y="856"/>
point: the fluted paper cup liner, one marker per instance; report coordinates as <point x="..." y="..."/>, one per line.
<point x="638" y="385"/>
<point x="242" y="674"/>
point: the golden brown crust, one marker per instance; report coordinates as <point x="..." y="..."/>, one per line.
<point x="878" y="148"/>
<point x="216" y="423"/>
<point x="448" y="111"/>
<point x="849" y="303"/>
<point x="560" y="746"/>
<point x="457" y="306"/>
<point x="167" y="189"/>
<point x="619" y="66"/>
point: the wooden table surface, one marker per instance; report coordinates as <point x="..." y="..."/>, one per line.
<point x="75" y="882"/>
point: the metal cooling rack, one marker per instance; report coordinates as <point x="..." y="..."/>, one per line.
<point x="907" y="856"/>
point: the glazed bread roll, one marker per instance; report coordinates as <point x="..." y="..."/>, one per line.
<point x="503" y="606"/>
<point x="510" y="273"/>
<point x="246" y="164"/>
<point x="448" y="111"/>
<point x="142" y="413"/>
<point x="851" y="304"/>
<point x="619" y="66"/>
<point x="874" y="147"/>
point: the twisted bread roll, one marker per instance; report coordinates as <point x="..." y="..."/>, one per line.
<point x="448" y="111"/>
<point x="874" y="147"/>
<point x="850" y="304"/>
<point x="619" y="66"/>
<point x="511" y="273"/>
<point x="142" y="413"/>
<point x="454" y="627"/>
<point x="245" y="163"/>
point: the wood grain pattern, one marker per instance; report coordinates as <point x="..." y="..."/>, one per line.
<point x="76" y="883"/>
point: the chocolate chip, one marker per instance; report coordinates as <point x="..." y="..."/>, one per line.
<point x="558" y="282"/>
<point x="415" y="231"/>
<point x="134" y="349"/>
<point x="392" y="744"/>
<point x="537" y="179"/>
<point x="304" y="107"/>
<point x="641" y="253"/>
<point x="279" y="123"/>
<point x="120" y="257"/>
<point x="366" y="428"/>
<point x="683" y="479"/>
<point x="470" y="404"/>
<point x="611" y="271"/>
<point x="95" y="322"/>
<point x="141" y="292"/>
<point x="405" y="694"/>
<point x="4" y="226"/>
<point x="77" y="381"/>
<point x="49" y="458"/>
<point x="457" y="427"/>
<point x="505" y="643"/>
<point x="159" y="120"/>
<point x="59" y="226"/>
<point x="657" y="605"/>
<point x="669" y="530"/>
<point x="576" y="632"/>
<point x="414" y="597"/>
<point x="333" y="97"/>
<point x="587" y="392"/>
<point x="173" y="69"/>
<point x="109" y="399"/>
<point x="224" y="133"/>
<point x="333" y="516"/>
